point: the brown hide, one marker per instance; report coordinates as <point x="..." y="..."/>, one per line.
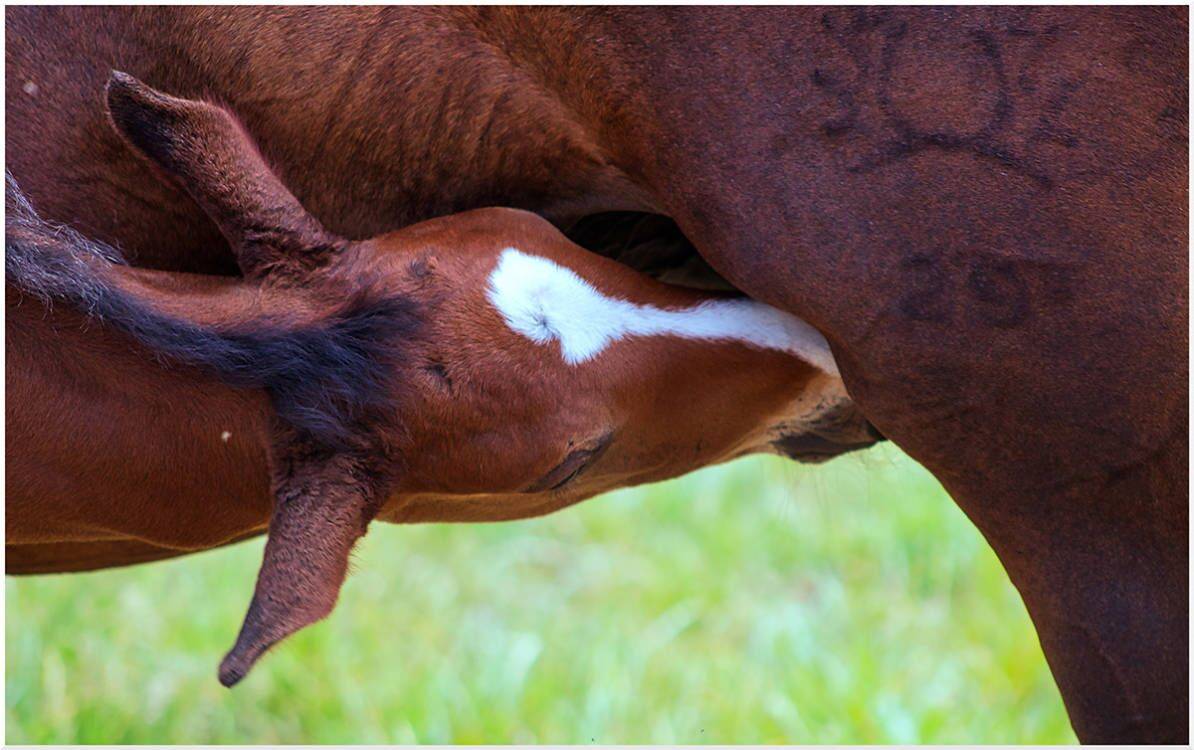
<point x="154" y="484"/>
<point x="397" y="387"/>
<point x="984" y="209"/>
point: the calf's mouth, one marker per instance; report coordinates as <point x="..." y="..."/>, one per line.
<point x="816" y="447"/>
<point x="653" y="244"/>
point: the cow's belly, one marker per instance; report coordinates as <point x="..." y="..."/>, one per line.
<point x="423" y="124"/>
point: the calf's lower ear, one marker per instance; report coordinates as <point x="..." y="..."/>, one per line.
<point x="322" y="506"/>
<point x="205" y="150"/>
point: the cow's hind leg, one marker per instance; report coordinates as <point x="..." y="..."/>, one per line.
<point x="1013" y="316"/>
<point x="1107" y="589"/>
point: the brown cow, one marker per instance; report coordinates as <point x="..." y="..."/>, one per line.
<point x="479" y="367"/>
<point x="983" y="210"/>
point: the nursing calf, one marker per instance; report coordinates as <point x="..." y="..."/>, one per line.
<point x="477" y="367"/>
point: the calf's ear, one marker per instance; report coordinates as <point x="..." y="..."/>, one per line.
<point x="205" y="150"/>
<point x="323" y="504"/>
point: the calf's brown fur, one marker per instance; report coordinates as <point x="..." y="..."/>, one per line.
<point x="983" y="209"/>
<point x="366" y="379"/>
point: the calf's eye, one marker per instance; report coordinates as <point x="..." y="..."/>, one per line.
<point x="571" y="467"/>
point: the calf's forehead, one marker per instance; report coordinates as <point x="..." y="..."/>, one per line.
<point x="560" y="308"/>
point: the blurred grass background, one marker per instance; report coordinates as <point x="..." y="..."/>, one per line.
<point x="758" y="602"/>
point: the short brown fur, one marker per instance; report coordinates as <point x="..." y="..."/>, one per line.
<point x="984" y="210"/>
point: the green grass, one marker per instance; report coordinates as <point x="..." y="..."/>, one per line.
<point x="756" y="602"/>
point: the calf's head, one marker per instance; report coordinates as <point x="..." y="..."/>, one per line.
<point x="538" y="374"/>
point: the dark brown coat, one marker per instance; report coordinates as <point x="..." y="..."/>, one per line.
<point x="983" y="209"/>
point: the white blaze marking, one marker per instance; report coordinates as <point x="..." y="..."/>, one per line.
<point x="543" y="301"/>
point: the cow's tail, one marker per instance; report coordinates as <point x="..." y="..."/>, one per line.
<point x="322" y="375"/>
<point x="53" y="262"/>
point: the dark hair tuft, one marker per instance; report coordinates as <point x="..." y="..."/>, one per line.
<point x="325" y="378"/>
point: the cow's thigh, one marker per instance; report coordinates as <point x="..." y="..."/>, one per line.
<point x="984" y="213"/>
